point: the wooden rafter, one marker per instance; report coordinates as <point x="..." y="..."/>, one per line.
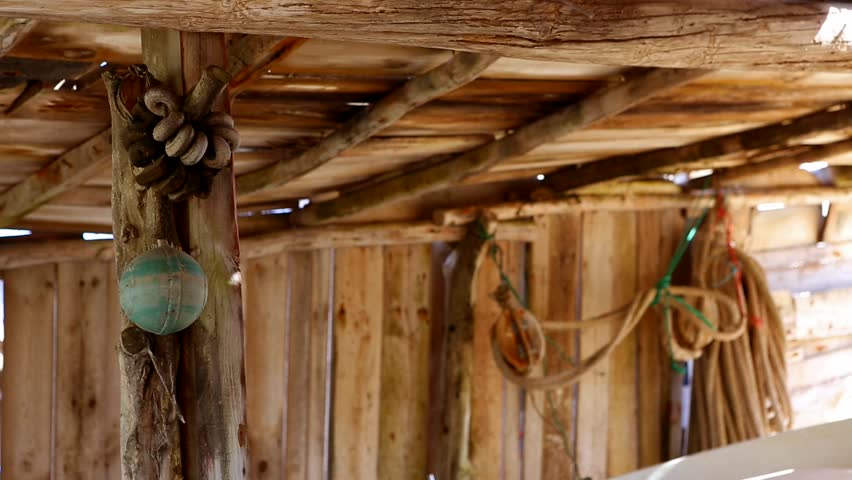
<point x="791" y="158"/>
<point x="12" y="31"/>
<point x="590" y="203"/>
<point x="461" y="69"/>
<point x="604" y="103"/>
<point x="249" y="55"/>
<point x="777" y="135"/>
<point x="27" y="254"/>
<point x="69" y="170"/>
<point x="662" y="33"/>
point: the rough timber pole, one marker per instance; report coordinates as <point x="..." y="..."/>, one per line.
<point x="210" y="380"/>
<point x="201" y="368"/>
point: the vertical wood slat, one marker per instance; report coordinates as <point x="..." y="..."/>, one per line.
<point x="113" y="377"/>
<point x="358" y="300"/>
<point x="658" y="234"/>
<point x="85" y="352"/>
<point x="623" y="438"/>
<point x="306" y="365"/>
<point x="318" y="392"/>
<point x="554" y="283"/>
<point x="265" y="290"/>
<point x="488" y="443"/>
<point x="28" y="372"/>
<point x="608" y="280"/>
<point x="405" y="362"/>
<point x="297" y="365"/>
<point x="514" y="259"/>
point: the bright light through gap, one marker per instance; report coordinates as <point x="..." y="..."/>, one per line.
<point x="59" y="85"/>
<point x="704" y="172"/>
<point x="276" y="211"/>
<point x="768" y="207"/>
<point x="304" y="202"/>
<point x="104" y="64"/>
<point x="539" y="177"/>
<point x="14" y="232"/>
<point x="97" y="236"/>
<point x="813" y="166"/>
<point x="826" y="205"/>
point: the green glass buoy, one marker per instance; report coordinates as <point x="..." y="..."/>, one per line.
<point x="163" y="290"/>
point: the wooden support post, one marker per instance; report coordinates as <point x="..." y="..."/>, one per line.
<point x="212" y="390"/>
<point x="150" y="437"/>
<point x="454" y="460"/>
<point x="208" y="355"/>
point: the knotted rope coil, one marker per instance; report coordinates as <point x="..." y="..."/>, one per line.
<point x="179" y="144"/>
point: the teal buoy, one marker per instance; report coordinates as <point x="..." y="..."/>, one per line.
<point x="163" y="290"/>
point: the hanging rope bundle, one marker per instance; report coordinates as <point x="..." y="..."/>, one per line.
<point x="664" y="295"/>
<point x="739" y="390"/>
<point x="178" y="144"/>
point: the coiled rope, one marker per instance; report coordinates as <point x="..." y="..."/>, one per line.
<point x="664" y="295"/>
<point x="740" y="389"/>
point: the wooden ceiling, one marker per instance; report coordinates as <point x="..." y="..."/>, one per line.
<point x="320" y="84"/>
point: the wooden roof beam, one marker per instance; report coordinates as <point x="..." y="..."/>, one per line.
<point x="459" y="70"/>
<point x="776" y="135"/>
<point x="603" y="103"/>
<point x="791" y="157"/>
<point x="660" y="33"/>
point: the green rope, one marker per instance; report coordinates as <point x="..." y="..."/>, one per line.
<point x="664" y="295"/>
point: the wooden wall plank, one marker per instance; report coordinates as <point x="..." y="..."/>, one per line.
<point x="405" y="362"/>
<point x="787" y="227"/>
<point x="554" y="286"/>
<point x="318" y="393"/>
<point x="112" y="410"/>
<point x="658" y="234"/>
<point x="486" y="422"/>
<point x="297" y="367"/>
<point x="623" y="441"/>
<point x="514" y="260"/>
<point x="608" y="248"/>
<point x="28" y="372"/>
<point x="83" y="352"/>
<point x="838" y="224"/>
<point x="488" y="442"/>
<point x="307" y="365"/>
<point x="358" y="292"/>
<point x="265" y="306"/>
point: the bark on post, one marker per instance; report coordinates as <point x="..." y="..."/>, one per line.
<point x="150" y="439"/>
<point x="451" y="457"/>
